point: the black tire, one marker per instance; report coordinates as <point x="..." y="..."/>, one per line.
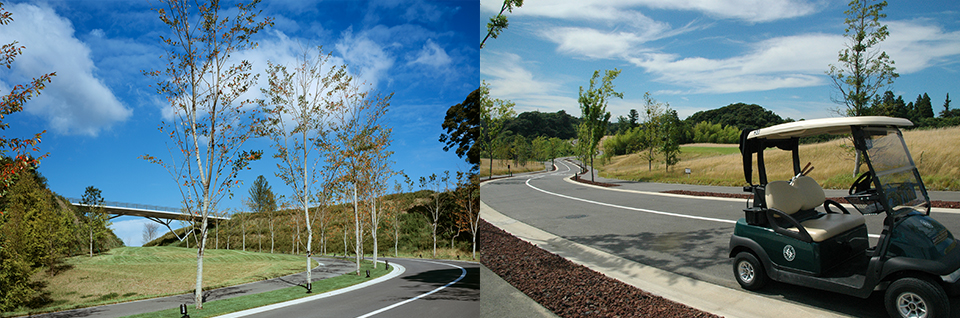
<point x="749" y="271"/>
<point x="913" y="297"/>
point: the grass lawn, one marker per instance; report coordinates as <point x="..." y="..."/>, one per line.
<point x="225" y="306"/>
<point x="132" y="273"/>
<point x="934" y="151"/>
<point x="500" y="167"/>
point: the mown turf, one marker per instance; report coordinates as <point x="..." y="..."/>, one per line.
<point x="132" y="273"/>
<point x="226" y="306"/>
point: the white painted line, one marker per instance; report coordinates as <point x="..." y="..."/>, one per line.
<point x="702" y="218"/>
<point x="462" y="275"/>
<point x="397" y="271"/>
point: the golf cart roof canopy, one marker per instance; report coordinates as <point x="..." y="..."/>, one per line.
<point x="787" y="137"/>
<point x="835" y="126"/>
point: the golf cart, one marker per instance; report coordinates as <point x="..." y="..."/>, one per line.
<point x="784" y="237"/>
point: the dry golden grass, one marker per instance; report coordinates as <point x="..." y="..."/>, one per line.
<point x="935" y="152"/>
<point x="500" y="167"/>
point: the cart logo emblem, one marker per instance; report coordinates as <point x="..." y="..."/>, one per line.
<point x="789" y="253"/>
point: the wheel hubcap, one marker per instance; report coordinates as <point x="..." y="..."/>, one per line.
<point x="910" y="305"/>
<point x="745" y="271"/>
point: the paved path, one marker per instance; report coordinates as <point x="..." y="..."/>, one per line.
<point x="330" y="267"/>
<point x="427" y="288"/>
<point x="631" y="229"/>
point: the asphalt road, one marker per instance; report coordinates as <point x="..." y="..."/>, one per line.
<point x="685" y="235"/>
<point x="460" y="297"/>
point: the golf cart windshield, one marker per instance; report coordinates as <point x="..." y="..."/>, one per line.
<point x="896" y="173"/>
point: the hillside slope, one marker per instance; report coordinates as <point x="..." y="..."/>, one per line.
<point x="934" y="150"/>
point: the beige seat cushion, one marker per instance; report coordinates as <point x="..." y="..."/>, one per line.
<point x="810" y="191"/>
<point x="782" y="196"/>
<point x="830" y="225"/>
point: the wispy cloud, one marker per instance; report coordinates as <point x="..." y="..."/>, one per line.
<point x="629" y="10"/>
<point x="510" y="79"/>
<point x="792" y="61"/>
<point x="76" y="101"/>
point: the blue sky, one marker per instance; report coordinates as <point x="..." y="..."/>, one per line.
<point x="100" y="113"/>
<point x="704" y="54"/>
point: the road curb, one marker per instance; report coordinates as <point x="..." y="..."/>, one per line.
<point x="397" y="271"/>
<point x="691" y="292"/>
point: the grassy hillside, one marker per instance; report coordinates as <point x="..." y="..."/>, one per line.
<point x="414" y="231"/>
<point x="129" y="273"/>
<point x="934" y="150"/>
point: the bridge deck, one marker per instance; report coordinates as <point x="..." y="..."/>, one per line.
<point x="149" y="211"/>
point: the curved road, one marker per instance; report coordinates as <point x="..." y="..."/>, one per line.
<point x="403" y="296"/>
<point x="681" y="234"/>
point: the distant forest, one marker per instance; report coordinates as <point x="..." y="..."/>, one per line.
<point x="739" y="116"/>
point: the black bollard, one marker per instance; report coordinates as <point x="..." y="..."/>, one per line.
<point x="183" y="311"/>
<point x="386" y="264"/>
<point x="368" y="273"/>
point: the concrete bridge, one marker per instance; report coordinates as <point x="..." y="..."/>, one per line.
<point x="159" y="214"/>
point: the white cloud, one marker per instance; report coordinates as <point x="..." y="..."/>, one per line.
<point x="76" y="101"/>
<point x="364" y="55"/>
<point x="914" y="46"/>
<point x="798" y="61"/>
<point x="510" y="79"/>
<point x="791" y="61"/>
<point x="593" y="43"/>
<point x="626" y="11"/>
<point x="432" y="55"/>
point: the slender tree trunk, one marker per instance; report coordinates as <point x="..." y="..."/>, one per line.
<point x="198" y="291"/>
<point x="373" y="230"/>
<point x="91" y="241"/>
<point x="243" y="225"/>
<point x="591" y="168"/>
<point x="491" y="164"/>
<point x="306" y="218"/>
<point x="356" y="223"/>
<point x="271" y="235"/>
<point x="396" y="238"/>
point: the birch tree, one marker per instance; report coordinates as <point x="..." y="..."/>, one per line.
<point x="468" y="199"/>
<point x="437" y="184"/>
<point x="379" y="170"/>
<point x="298" y="104"/>
<point x="203" y="86"/>
<point x="357" y="122"/>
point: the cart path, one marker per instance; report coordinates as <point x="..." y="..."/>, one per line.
<point x="679" y="234"/>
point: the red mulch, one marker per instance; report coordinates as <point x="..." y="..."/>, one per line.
<point x="565" y="288"/>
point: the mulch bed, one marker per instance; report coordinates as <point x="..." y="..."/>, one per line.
<point x="934" y="203"/>
<point x="565" y="288"/>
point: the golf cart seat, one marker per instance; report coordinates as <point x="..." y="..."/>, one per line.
<point x="804" y="195"/>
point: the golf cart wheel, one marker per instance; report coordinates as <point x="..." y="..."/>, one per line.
<point x="912" y="297"/>
<point x="749" y="271"/>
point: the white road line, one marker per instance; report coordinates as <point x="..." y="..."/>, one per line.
<point x="397" y="271"/>
<point x="702" y="218"/>
<point x="462" y="275"/>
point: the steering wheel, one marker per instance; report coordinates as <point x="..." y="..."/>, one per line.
<point x="863" y="183"/>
